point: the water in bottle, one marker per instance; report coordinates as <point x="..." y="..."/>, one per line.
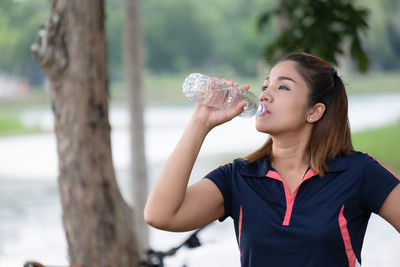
<point x="215" y="93"/>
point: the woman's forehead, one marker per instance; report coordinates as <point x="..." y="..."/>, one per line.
<point x="286" y="71"/>
<point x="284" y="68"/>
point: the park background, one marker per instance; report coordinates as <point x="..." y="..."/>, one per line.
<point x="220" y="38"/>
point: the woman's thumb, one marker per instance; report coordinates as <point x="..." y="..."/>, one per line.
<point x="237" y="110"/>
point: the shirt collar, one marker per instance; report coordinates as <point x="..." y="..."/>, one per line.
<point x="260" y="167"/>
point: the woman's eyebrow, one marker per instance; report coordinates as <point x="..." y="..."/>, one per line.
<point x="282" y="78"/>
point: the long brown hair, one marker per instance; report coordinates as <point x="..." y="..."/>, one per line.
<point x="330" y="135"/>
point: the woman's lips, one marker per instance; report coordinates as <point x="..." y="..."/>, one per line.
<point x="263" y="110"/>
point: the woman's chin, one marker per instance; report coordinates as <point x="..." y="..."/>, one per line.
<point x="262" y="129"/>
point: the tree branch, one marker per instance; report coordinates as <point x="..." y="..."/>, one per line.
<point x="50" y="50"/>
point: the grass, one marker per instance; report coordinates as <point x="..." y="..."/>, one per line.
<point x="383" y="144"/>
<point x="10" y="124"/>
<point x="11" y="110"/>
<point x="372" y="83"/>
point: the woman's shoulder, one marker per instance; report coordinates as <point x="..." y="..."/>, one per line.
<point x="362" y="157"/>
<point x="355" y="155"/>
<point x="258" y="167"/>
<point x="355" y="159"/>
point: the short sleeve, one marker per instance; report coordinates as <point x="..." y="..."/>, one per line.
<point x="222" y="178"/>
<point x="377" y="183"/>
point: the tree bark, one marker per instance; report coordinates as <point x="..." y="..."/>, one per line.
<point x="133" y="65"/>
<point x="72" y="52"/>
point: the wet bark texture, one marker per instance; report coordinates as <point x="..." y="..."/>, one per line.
<point x="72" y="53"/>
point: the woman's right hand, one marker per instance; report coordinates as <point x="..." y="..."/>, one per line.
<point x="211" y="117"/>
<point x="172" y="205"/>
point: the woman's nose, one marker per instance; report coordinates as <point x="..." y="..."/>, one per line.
<point x="265" y="96"/>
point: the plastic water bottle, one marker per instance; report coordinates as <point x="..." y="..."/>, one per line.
<point x="213" y="92"/>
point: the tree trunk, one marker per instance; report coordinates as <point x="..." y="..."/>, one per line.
<point x="72" y="52"/>
<point x="133" y="63"/>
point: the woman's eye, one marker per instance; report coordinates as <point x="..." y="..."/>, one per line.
<point x="264" y="88"/>
<point x="282" y="87"/>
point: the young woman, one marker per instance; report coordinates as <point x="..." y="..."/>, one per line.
<point x="304" y="198"/>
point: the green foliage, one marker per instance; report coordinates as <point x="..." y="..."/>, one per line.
<point x="177" y="36"/>
<point x="381" y="143"/>
<point x="210" y="34"/>
<point x="318" y="27"/>
<point x="239" y="44"/>
<point x="219" y="37"/>
<point x="19" y="25"/>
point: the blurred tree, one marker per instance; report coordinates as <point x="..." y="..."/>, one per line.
<point x="237" y="43"/>
<point x="133" y="63"/>
<point x="114" y="27"/>
<point x="72" y="53"/>
<point x="318" y="27"/>
<point x="210" y="34"/>
<point x="393" y="28"/>
<point x="177" y="36"/>
<point x="382" y="42"/>
<point x="18" y="25"/>
<point x="229" y="28"/>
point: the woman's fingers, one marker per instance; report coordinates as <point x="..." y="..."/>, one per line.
<point x="232" y="83"/>
<point x="245" y="87"/>
<point x="232" y="113"/>
<point x="228" y="82"/>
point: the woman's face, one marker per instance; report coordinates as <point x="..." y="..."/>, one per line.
<point x="285" y="94"/>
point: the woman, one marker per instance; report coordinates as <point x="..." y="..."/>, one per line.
<point x="305" y="197"/>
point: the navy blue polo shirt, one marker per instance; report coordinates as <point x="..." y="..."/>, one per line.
<point x="322" y="223"/>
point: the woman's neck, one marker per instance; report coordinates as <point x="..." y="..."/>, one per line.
<point x="290" y="152"/>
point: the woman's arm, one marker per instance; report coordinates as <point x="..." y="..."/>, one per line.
<point x="390" y="209"/>
<point x="172" y="205"/>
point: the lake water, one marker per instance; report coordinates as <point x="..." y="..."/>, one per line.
<point x="30" y="212"/>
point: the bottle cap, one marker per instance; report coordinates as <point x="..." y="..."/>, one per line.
<point x="262" y="108"/>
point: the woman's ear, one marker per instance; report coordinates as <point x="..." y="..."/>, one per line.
<point x="315" y="113"/>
